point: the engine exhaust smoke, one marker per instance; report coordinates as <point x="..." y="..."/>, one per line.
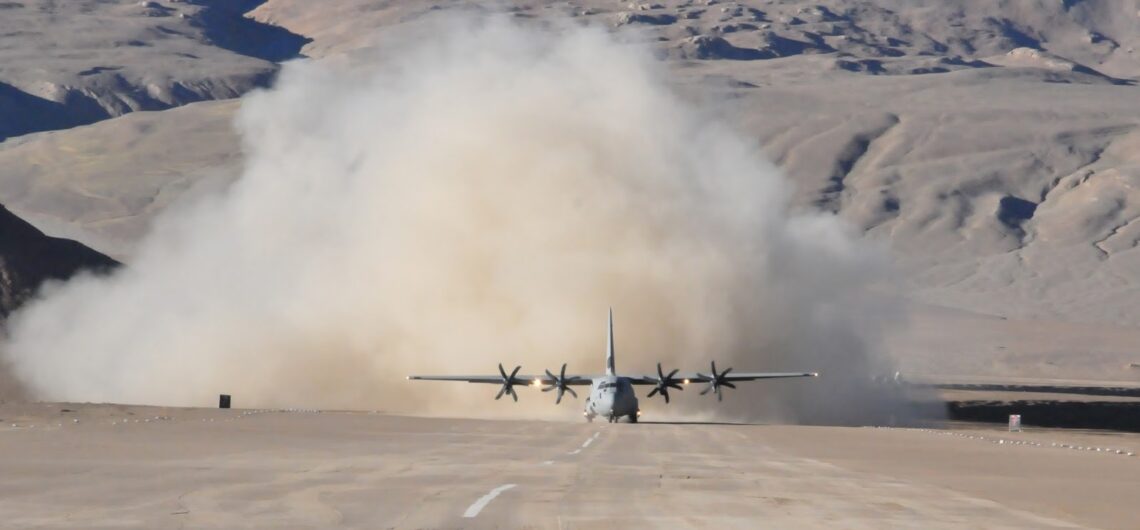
<point x="480" y="197"/>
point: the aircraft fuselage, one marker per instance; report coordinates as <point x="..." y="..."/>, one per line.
<point x="611" y="397"/>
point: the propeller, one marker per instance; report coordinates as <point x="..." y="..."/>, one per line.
<point x="559" y="382"/>
<point x="664" y="383"/>
<point x="508" y="383"/>
<point x="716" y="381"/>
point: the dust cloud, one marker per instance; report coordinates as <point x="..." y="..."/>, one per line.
<point x="483" y="196"/>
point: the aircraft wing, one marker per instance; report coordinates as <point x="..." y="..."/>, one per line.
<point x="753" y="376"/>
<point x="493" y="379"/>
<point x="730" y="377"/>
<point x="548" y="381"/>
<point x="519" y="379"/>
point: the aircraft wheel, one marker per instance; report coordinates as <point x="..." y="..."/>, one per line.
<point x="633" y="418"/>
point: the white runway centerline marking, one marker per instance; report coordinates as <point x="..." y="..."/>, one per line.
<point x="585" y="444"/>
<point x="591" y="440"/>
<point x="483" y="501"/>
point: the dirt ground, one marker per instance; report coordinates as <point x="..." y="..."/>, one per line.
<point x="67" y="465"/>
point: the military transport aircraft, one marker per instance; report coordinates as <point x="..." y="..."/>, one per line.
<point x="611" y="395"/>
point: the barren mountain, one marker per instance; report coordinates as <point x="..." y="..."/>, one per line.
<point x="70" y="63"/>
<point x="28" y="258"/>
<point x="103" y="183"/>
<point x="993" y="146"/>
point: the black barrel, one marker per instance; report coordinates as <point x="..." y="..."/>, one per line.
<point x="224" y="401"/>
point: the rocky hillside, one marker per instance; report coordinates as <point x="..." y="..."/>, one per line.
<point x="67" y="63"/>
<point x="103" y="183"/>
<point x="28" y="258"/>
<point x="991" y="146"/>
<point x="870" y="36"/>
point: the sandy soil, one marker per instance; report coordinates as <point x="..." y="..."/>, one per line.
<point x="149" y="467"/>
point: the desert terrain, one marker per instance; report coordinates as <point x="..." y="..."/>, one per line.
<point x="69" y="466"/>
<point x="932" y="203"/>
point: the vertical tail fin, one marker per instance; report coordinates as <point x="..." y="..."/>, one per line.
<point x="610" y="346"/>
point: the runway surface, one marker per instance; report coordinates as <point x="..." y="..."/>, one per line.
<point x="199" y="468"/>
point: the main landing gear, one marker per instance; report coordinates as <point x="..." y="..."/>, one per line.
<point x="632" y="418"/>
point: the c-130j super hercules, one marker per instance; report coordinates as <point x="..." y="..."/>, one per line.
<point x="611" y="395"/>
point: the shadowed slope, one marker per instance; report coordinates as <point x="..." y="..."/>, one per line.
<point x="28" y="258"/>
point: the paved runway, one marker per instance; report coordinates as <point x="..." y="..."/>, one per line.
<point x="232" y="469"/>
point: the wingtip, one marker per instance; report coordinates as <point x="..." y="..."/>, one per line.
<point x="815" y="374"/>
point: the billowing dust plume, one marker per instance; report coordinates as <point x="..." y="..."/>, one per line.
<point x="480" y="197"/>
